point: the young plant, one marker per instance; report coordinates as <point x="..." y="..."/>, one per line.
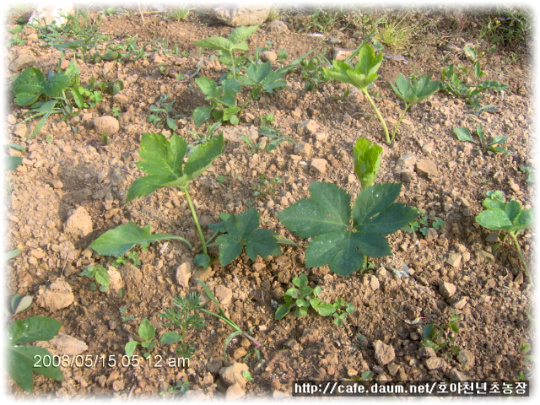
<point x="261" y="77"/>
<point x="100" y="275"/>
<point x="239" y="232"/>
<point x="147" y="333"/>
<point x="508" y="218"/>
<point x="184" y="316"/>
<point x="222" y="100"/>
<point x="343" y="238"/>
<point x="362" y="76"/>
<point x="493" y="145"/>
<point x="24" y="360"/>
<point x="441" y="338"/>
<point x="47" y="95"/>
<point x="302" y="297"/>
<point x="423" y="222"/>
<point x="413" y="93"/>
<point x="236" y="41"/>
<point x="225" y="319"/>
<point x="161" y="113"/>
<point x="367" y="161"/>
<point x="163" y="162"/>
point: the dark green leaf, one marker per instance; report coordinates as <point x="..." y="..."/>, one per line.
<point x="33" y="329"/>
<point x="118" y="241"/>
<point x="282" y="311"/>
<point x="240" y="34"/>
<point x="28" y="86"/>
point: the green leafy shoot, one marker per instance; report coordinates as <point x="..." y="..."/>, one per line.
<point x="367" y="161"/>
<point x="509" y="217"/>
<point x="120" y="240"/>
<point x="241" y="232"/>
<point x="222" y="100"/>
<point x="484" y="145"/>
<point x="261" y="77"/>
<point x="183" y="315"/>
<point x="100" y="274"/>
<point x="362" y="76"/>
<point x="442" y="337"/>
<point x="237" y="331"/>
<point x="236" y="41"/>
<point x="20" y="303"/>
<point x="301" y="297"/>
<point x="147" y="333"/>
<point x="163" y="162"/>
<point x="21" y="358"/>
<point x="414" y="92"/>
<point x="46" y="95"/>
<point x="343" y="238"/>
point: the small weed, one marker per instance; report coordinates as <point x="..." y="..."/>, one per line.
<point x="301" y="297"/>
<point x="265" y="187"/>
<point x="484" y="145"/>
<point x="394" y="34"/>
<point x="161" y="114"/>
<point x="100" y="275"/>
<point x="179" y="13"/>
<point x="528" y="170"/>
<point x="442" y="338"/>
<point x="147" y="333"/>
<point x="125" y="318"/>
<point x="423" y="223"/>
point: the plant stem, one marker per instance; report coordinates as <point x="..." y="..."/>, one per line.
<point x="514" y="238"/>
<point x="195" y="219"/>
<point x="232" y="64"/>
<point x="399" y="123"/>
<point x="386" y="134"/>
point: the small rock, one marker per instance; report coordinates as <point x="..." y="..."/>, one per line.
<point x="466" y="359"/>
<point x="384" y="353"/>
<point x="132" y="277"/>
<point x="241" y="16"/>
<point x="406" y="160"/>
<point x="183" y="274"/>
<point x="233" y="374"/>
<point x="63" y="344"/>
<point x="56" y="296"/>
<point x="235" y="391"/>
<point x="235" y="133"/>
<point x="106" y="125"/>
<point x="393" y="369"/>
<point x="79" y="223"/>
<point x="447" y="289"/>
<point x="22" y="62"/>
<point x="427" y="168"/>
<point x="456" y="375"/>
<point x="37" y="253"/>
<point x="268" y="56"/>
<point x="302" y="148"/>
<point x="459" y="303"/>
<point x="214" y="365"/>
<point x="374" y="283"/>
<point x="434" y="363"/>
<point x="278" y="26"/>
<point x="454" y="260"/>
<point x="308" y="127"/>
<point x="116" y="283"/>
<point x="482" y="255"/>
<point x="319" y="165"/>
<point x="341" y="53"/>
<point x="223" y="295"/>
<point x="426" y="352"/>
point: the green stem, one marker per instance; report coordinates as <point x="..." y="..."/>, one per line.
<point x="386" y="134"/>
<point x="514" y="238"/>
<point x="399" y="123"/>
<point x="195" y="219"/>
<point x="232" y="63"/>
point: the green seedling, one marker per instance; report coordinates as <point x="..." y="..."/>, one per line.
<point x="362" y="76"/>
<point x="47" y="95"/>
<point x="12" y="162"/>
<point x="24" y="360"/>
<point x="422" y="224"/>
<point x="163" y="162"/>
<point x="301" y="297"/>
<point x="343" y="238"/>
<point x="312" y="72"/>
<point x="147" y="333"/>
<point x="529" y="172"/>
<point x="225" y="319"/>
<point x="367" y="161"/>
<point x="125" y="318"/>
<point x="100" y="275"/>
<point x="132" y="256"/>
<point x="442" y="337"/>
<point x="462" y="83"/>
<point x="184" y="316"/>
<point x="241" y="232"/>
<point x="261" y="77"/>
<point x="508" y="218"/>
<point x="236" y="41"/>
<point x="484" y="145"/>
<point x="181" y="388"/>
<point x="265" y="187"/>
<point x="120" y="240"/>
<point x="161" y="113"/>
<point x="275" y="136"/>
<point x="222" y="98"/>
<point x="414" y="92"/>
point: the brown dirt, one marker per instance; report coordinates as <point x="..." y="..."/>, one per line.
<point x="76" y="170"/>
